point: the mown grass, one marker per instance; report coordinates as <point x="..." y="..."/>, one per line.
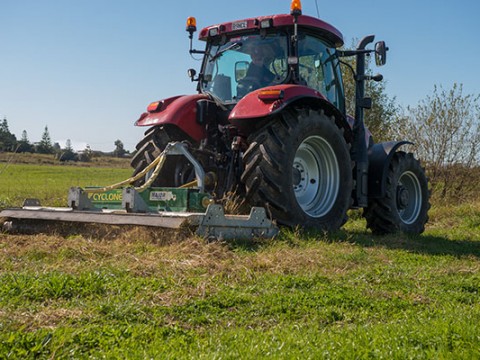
<point x="142" y="293"/>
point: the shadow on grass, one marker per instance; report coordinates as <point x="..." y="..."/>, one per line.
<point x="422" y="244"/>
<point x="436" y="241"/>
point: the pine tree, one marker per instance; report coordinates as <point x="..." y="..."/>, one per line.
<point x="8" y="141"/>
<point x="68" y="145"/>
<point x="24" y="136"/>
<point x="45" y="145"/>
<point x="4" y="126"/>
<point x="24" y="144"/>
<point x="68" y="153"/>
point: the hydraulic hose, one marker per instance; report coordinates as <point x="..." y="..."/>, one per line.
<point x="157" y="164"/>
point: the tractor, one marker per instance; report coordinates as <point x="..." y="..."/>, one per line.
<point x="268" y="123"/>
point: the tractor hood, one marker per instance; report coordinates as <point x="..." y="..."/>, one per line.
<point x="180" y="111"/>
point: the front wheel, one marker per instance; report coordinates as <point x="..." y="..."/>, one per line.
<point x="406" y="202"/>
<point x="299" y="167"/>
<point x="175" y="172"/>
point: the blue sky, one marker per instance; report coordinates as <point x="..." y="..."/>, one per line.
<point x="87" y="69"/>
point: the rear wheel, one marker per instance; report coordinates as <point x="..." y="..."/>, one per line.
<point x="406" y="202"/>
<point x="299" y="167"/>
<point x="176" y="170"/>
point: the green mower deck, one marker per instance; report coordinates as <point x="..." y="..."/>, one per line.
<point x="170" y="208"/>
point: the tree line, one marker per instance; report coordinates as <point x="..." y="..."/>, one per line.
<point x="9" y="143"/>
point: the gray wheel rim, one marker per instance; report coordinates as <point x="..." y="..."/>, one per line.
<point x="316" y="176"/>
<point x="409" y="197"/>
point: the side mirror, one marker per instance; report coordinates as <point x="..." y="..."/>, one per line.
<point x="241" y="68"/>
<point x="191" y="74"/>
<point x="380" y="53"/>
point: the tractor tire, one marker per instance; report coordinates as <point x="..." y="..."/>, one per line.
<point x="299" y="168"/>
<point x="406" y="203"/>
<point x="175" y="168"/>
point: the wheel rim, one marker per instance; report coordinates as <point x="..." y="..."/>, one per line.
<point x="409" y="197"/>
<point x="316" y="176"/>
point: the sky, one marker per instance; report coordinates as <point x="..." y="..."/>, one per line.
<point x="87" y="69"/>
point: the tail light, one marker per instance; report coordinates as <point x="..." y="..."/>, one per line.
<point x="155" y="106"/>
<point x="270" y="95"/>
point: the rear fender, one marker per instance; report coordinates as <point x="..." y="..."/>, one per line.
<point x="252" y="107"/>
<point x="379" y="159"/>
<point x="180" y="111"/>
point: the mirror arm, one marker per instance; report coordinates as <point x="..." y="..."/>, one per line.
<point x="376" y="77"/>
<point x="348" y="53"/>
<point x="193" y="51"/>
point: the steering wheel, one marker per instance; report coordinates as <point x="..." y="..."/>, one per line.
<point x="246" y="85"/>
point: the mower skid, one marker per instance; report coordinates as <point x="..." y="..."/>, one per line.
<point x="214" y="223"/>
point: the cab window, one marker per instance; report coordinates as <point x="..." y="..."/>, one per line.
<point x="319" y="68"/>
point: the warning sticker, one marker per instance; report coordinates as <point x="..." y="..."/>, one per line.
<point x="162" y="196"/>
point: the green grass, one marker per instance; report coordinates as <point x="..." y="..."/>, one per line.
<point x="50" y="184"/>
<point x="139" y="293"/>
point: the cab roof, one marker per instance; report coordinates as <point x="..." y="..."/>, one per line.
<point x="324" y="29"/>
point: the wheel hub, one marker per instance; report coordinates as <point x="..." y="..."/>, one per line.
<point x="300" y="176"/>
<point x="409" y="197"/>
<point x="297" y="176"/>
<point x="315" y="176"/>
<point x="403" y="197"/>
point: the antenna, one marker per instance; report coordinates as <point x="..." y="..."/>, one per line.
<point x="318" y="12"/>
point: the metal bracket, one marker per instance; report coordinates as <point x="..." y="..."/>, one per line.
<point x="133" y="202"/>
<point x="220" y="226"/>
<point x="78" y="199"/>
<point x="178" y="148"/>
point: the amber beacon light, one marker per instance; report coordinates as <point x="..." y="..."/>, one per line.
<point x="296" y="8"/>
<point x="191" y="24"/>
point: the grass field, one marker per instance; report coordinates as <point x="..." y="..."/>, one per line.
<point x="137" y="293"/>
<point x="49" y="183"/>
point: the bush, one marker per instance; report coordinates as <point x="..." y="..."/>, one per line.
<point x="445" y="128"/>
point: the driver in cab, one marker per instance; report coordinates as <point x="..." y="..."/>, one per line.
<point x="258" y="67"/>
<point x="258" y="75"/>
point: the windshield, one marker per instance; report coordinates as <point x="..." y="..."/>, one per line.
<point x="243" y="64"/>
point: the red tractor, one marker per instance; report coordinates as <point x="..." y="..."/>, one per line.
<point x="269" y="124"/>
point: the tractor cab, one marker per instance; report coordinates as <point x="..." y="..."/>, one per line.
<point x="247" y="55"/>
<point x="235" y="66"/>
